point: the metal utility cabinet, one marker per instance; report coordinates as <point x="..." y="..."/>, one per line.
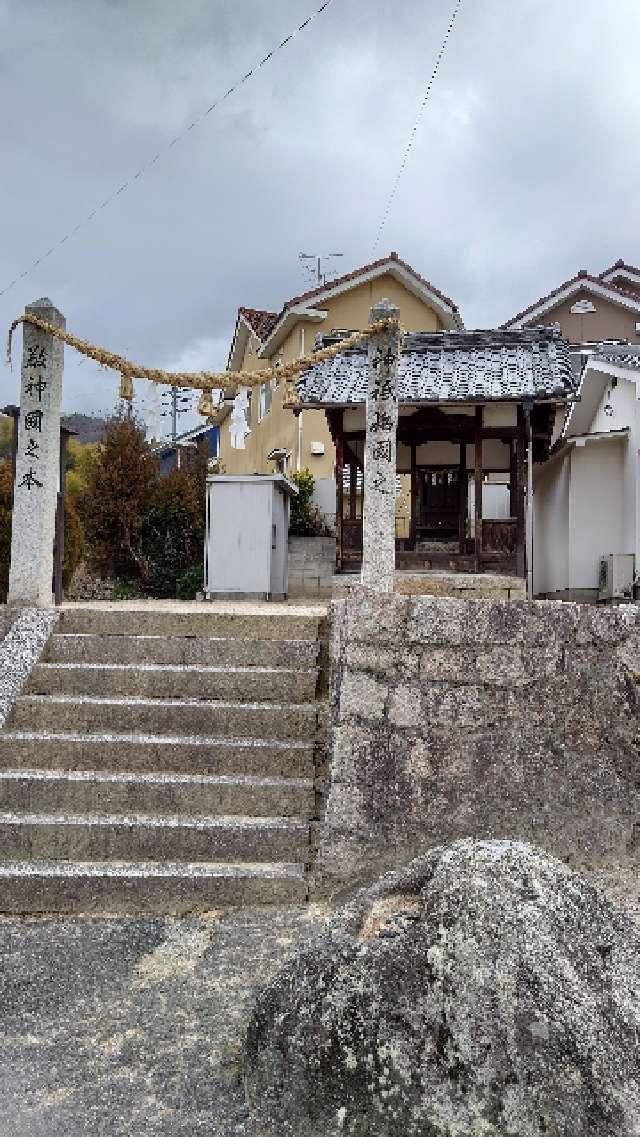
<point x="246" y="544"/>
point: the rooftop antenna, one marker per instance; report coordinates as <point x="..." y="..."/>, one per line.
<point x="315" y="270"/>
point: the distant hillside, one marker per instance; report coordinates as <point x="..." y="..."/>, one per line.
<point x="88" y="428"/>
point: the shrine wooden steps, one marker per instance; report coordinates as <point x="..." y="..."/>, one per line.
<point x="164" y="761"/>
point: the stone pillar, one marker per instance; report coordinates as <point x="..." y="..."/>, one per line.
<point x="379" y="512"/>
<point x="37" y="462"/>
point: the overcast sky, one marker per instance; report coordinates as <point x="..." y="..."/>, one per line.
<point x="526" y="166"/>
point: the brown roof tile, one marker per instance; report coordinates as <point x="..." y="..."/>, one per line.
<point x="259" y="320"/>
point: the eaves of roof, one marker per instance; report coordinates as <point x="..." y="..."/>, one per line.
<point x="582" y="280"/>
<point x="260" y="321"/>
<point x="453" y="367"/>
<point x="249" y="320"/>
<point x="301" y="306"/>
<point x="358" y="272"/>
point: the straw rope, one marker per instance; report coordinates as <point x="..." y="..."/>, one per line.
<point x="204" y="381"/>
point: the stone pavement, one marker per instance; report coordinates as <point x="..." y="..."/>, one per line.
<point x="133" y="1026"/>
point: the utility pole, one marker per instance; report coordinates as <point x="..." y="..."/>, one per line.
<point x="178" y="404"/>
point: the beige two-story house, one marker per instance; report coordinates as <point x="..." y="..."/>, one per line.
<point x="278" y="438"/>
<point x="590" y="309"/>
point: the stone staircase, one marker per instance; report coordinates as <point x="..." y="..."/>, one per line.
<point x="164" y="761"/>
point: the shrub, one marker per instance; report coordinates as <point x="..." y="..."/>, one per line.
<point x="302" y="519"/>
<point x="73" y="542"/>
<point x="172" y="533"/>
<point x="119" y="486"/>
<point x="191" y="582"/>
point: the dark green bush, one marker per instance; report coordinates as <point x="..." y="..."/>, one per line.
<point x="302" y="520"/>
<point x="172" y="533"/>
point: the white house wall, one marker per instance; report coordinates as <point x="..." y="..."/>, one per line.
<point x="551" y="526"/>
<point x="595" y="509"/>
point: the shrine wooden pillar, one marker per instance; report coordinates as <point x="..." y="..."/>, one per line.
<point x="521" y="560"/>
<point x="462" y="498"/>
<point x="478" y="484"/>
<point x="339" y="441"/>
<point x="414" y="498"/>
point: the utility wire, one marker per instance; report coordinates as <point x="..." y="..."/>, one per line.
<point x="414" y="131"/>
<point x="169" y="146"/>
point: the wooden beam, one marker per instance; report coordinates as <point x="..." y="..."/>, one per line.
<point x="478" y="485"/>
<point x="521" y="560"/>
<point x="462" y="492"/>
<point x="513" y="473"/>
<point x="339" y="491"/>
<point x="414" y="497"/>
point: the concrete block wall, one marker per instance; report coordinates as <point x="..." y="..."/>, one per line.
<point x="455" y="718"/>
<point x="312" y="562"/>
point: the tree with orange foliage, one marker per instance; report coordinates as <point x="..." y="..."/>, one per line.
<point x="118" y="491"/>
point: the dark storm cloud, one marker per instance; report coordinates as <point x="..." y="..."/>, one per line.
<point x="525" y="167"/>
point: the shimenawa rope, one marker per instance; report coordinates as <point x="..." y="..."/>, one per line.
<point x="204" y="381"/>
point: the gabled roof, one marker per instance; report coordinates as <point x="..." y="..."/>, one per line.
<point x="259" y="320"/>
<point x="620" y="269"/>
<point x="581" y="282"/>
<point x="332" y="285"/>
<point x="305" y="306"/>
<point x="449" y="367"/>
<point x="249" y="320"/>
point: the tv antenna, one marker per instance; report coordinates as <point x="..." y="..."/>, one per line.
<point x="314" y="266"/>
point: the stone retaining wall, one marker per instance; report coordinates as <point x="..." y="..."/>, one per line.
<point x="455" y="718"/>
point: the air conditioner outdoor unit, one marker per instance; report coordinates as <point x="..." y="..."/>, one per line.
<point x="616" y="577"/>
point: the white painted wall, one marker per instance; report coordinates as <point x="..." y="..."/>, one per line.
<point x="595" y="508"/>
<point x="587" y="501"/>
<point x="324" y="498"/>
<point x="551" y="526"/>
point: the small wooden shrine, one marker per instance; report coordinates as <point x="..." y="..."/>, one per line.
<point x="476" y="410"/>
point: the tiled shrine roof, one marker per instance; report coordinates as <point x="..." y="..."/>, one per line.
<point x="446" y="367"/>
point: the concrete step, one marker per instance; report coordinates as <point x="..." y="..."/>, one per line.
<point x="156" y="681"/>
<point x="169" y="753"/>
<point x="90" y="791"/>
<point x="243" y="622"/>
<point x="180" y="650"/>
<point x="143" y="837"/>
<point x="168" y="888"/>
<point x="188" y="717"/>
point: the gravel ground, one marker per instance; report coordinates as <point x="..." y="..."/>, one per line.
<point x="133" y="1026"/>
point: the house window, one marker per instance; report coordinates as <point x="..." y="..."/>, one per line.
<point x="265" y="399"/>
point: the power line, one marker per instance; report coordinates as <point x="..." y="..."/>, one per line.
<point x="414" y="131"/>
<point x="169" y="146"/>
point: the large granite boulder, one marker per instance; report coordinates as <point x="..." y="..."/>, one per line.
<point x="484" y="990"/>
